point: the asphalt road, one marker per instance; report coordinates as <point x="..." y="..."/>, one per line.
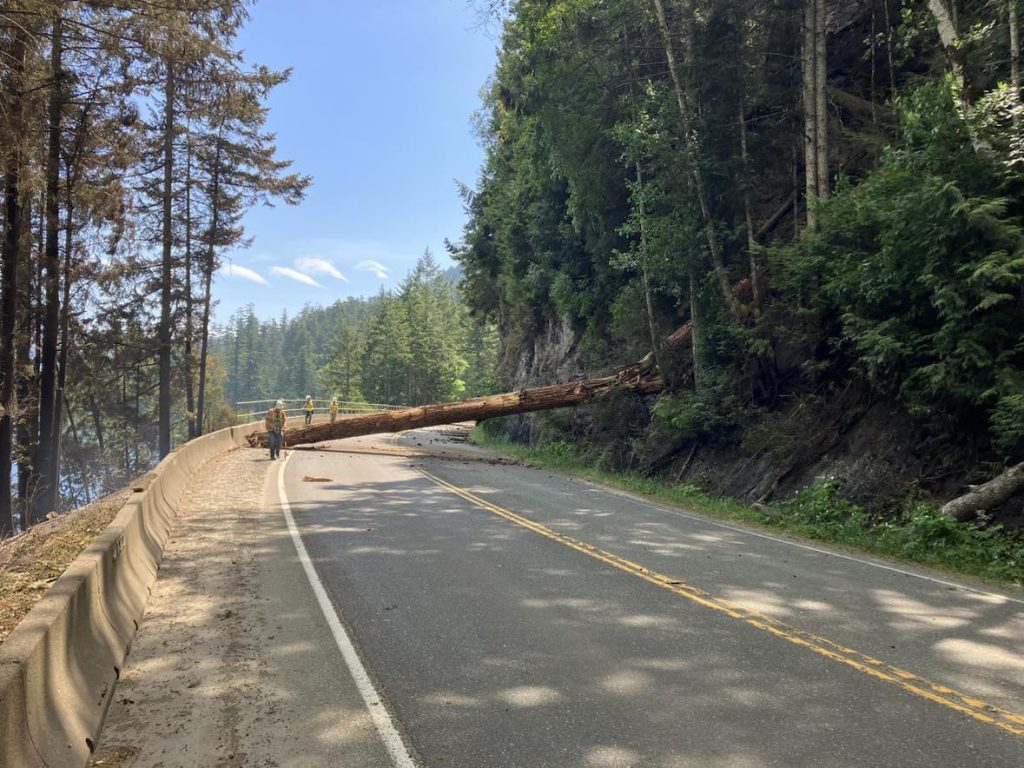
<point x="510" y="617"/>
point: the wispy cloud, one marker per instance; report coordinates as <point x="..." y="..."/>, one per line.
<point x="313" y="265"/>
<point x="294" y="274"/>
<point x="233" y="270"/>
<point x="369" y="265"/>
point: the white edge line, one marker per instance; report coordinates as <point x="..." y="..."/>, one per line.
<point x="799" y="545"/>
<point x="374" y="703"/>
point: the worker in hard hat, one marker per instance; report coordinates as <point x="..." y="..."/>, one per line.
<point x="309" y="408"/>
<point x="333" y="409"/>
<point x="274" y="422"/>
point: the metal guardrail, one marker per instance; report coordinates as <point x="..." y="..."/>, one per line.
<point x="251" y="410"/>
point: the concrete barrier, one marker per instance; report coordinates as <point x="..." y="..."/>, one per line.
<point x="59" y="666"/>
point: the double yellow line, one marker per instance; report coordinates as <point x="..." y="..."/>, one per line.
<point x="908" y="681"/>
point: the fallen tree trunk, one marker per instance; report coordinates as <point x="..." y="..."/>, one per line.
<point x="642" y="377"/>
<point x="639" y="378"/>
<point x="986" y="496"/>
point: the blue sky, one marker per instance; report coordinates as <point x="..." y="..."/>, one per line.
<point x="378" y="112"/>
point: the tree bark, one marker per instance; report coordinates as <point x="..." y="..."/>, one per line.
<point x="45" y="499"/>
<point x="211" y="261"/>
<point x="810" y="102"/>
<point x="648" y="302"/>
<point x="821" y="97"/>
<point x="1011" y="12"/>
<point x="12" y="95"/>
<point x="26" y="371"/>
<point x="945" y="14"/>
<point x="164" y="332"/>
<point x="696" y="333"/>
<point x="186" y="363"/>
<point x="986" y="496"/>
<point x="757" y="278"/>
<point x="65" y="317"/>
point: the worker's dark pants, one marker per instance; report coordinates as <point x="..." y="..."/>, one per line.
<point x="276" y="440"/>
<point x="309" y="418"/>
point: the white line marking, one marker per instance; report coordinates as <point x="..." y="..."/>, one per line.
<point x="790" y="542"/>
<point x="374" y="703"/>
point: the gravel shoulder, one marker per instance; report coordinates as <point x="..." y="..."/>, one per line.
<point x="234" y="664"/>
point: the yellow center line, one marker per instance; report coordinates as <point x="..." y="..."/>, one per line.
<point x="880" y="670"/>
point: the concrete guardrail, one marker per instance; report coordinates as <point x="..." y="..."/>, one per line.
<point x="59" y="666"/>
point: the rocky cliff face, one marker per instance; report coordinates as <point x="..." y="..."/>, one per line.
<point x="550" y="356"/>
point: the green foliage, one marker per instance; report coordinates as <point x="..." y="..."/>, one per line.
<point x="921" y="268"/>
<point x="1008" y="424"/>
<point x="700" y="415"/>
<point x="920" y="535"/>
<point x="416" y="345"/>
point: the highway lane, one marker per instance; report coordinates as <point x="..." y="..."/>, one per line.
<point x="513" y="618"/>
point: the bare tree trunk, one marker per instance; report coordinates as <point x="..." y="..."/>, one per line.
<point x="756" y="270"/>
<point x="646" y="269"/>
<point x="873" y="54"/>
<point x="810" y="100"/>
<point x="696" y="334"/>
<point x="821" y="97"/>
<point x="1011" y="7"/>
<point x="211" y="263"/>
<point x="65" y="319"/>
<point x="889" y="50"/>
<point x="164" y="334"/>
<point x="62" y="364"/>
<point x="45" y="499"/>
<point x="203" y="349"/>
<point x="693" y="153"/>
<point x="945" y="14"/>
<point x="12" y="95"/>
<point x="26" y="376"/>
<point x="190" y="404"/>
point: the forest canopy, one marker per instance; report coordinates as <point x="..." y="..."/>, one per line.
<point x="857" y="163"/>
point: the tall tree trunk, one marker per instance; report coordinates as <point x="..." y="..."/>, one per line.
<point x="203" y="349"/>
<point x="757" y="278"/>
<point x="945" y="14"/>
<point x="1011" y="8"/>
<point x="889" y="50"/>
<point x="821" y="96"/>
<point x="873" y="55"/>
<point x="45" y="499"/>
<point x="65" y="314"/>
<point x="64" y="356"/>
<point x="692" y="149"/>
<point x="211" y="261"/>
<point x="164" y="333"/>
<point x="190" y="404"/>
<point x="697" y="333"/>
<point x="12" y="95"/>
<point x="810" y="101"/>
<point x="645" y="267"/>
<point x="26" y="375"/>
